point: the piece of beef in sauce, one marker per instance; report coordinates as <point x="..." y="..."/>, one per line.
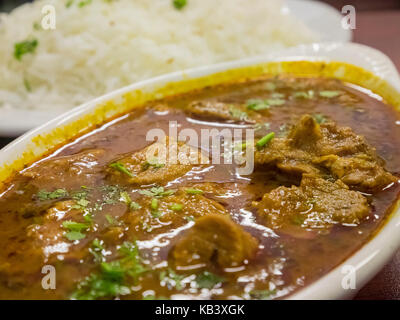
<point x="310" y="147"/>
<point x="315" y="204"/>
<point x="214" y="240"/>
<point x="158" y="163"/>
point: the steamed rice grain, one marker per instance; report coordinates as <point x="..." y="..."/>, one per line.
<point x="105" y="45"/>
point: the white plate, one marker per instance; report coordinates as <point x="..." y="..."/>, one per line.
<point x="320" y="17"/>
<point x="317" y="16"/>
<point x="370" y="258"/>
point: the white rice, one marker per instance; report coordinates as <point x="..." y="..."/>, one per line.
<point x="105" y="45"/>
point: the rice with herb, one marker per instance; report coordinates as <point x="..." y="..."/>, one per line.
<point x="101" y="45"/>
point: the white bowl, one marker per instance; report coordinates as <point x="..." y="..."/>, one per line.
<point x="371" y="257"/>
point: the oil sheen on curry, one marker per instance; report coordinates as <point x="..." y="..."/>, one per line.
<point x="118" y="224"/>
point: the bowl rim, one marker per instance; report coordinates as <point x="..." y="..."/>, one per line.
<point x="367" y="260"/>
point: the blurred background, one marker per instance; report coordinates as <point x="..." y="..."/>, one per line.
<point x="378" y="26"/>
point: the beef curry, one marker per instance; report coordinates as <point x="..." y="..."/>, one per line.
<point x="115" y="223"/>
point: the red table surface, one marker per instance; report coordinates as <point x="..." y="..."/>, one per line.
<point x="381" y="30"/>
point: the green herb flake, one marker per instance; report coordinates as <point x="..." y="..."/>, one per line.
<point x="126" y="198"/>
<point x="172" y="279"/>
<point x="36" y="26"/>
<point x="110" y="281"/>
<point x="24" y="47"/>
<point x="176" y="207"/>
<point x="109" y="219"/>
<point x="121" y="168"/>
<point x="84" y="3"/>
<point x="57" y="194"/>
<point x="262" y="294"/>
<point x="135" y="206"/>
<point x="257" y="105"/>
<point x="238" y="114"/>
<point x="96" y="250"/>
<point x="265" y="140"/>
<point x="304" y="94"/>
<point x="153" y="162"/>
<point x="69" y="3"/>
<point x="75" y="235"/>
<point x="157" y="192"/>
<point x="275" y="102"/>
<point x="154" y="204"/>
<point x="329" y="94"/>
<point x="208" y="280"/>
<point x="319" y="118"/>
<point x="74" y="226"/>
<point x="194" y="191"/>
<point x="179" y="4"/>
<point x="27" y="85"/>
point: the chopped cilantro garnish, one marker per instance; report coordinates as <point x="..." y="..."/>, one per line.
<point x="153" y="162"/>
<point x="176" y="207"/>
<point x="75" y="230"/>
<point x="74" y="226"/>
<point x="238" y="114"/>
<point x="172" y="279"/>
<point x="265" y="140"/>
<point x="134" y="206"/>
<point x="257" y="104"/>
<point x="125" y="197"/>
<point x="36" y="26"/>
<point x="83" y="3"/>
<point x="208" y="280"/>
<point x="112" y="194"/>
<point x="189" y="218"/>
<point x="121" y="168"/>
<point x="74" y="235"/>
<point x="157" y="192"/>
<point x="259" y="126"/>
<point x="110" y="280"/>
<point x="57" y="194"/>
<point x="109" y="219"/>
<point x="329" y="94"/>
<point x="96" y="250"/>
<point x="303" y="94"/>
<point x="154" y="204"/>
<point x="27" y="85"/>
<point x="194" y="191"/>
<point x="179" y="4"/>
<point x="24" y="47"/>
<point x="319" y="118"/>
<point x="275" y="102"/>
<point x="261" y="294"/>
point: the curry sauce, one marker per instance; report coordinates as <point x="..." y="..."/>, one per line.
<point x="115" y="223"/>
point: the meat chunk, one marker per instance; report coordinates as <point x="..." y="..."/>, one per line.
<point x="158" y="163"/>
<point x="214" y="239"/>
<point x="279" y="153"/>
<point x="43" y="242"/>
<point x="170" y="211"/>
<point x="315" y="204"/>
<point x="220" y="111"/>
<point x="342" y="141"/>
<point x="311" y="148"/>
<point x="360" y="172"/>
<point x="70" y="171"/>
<point x="50" y="235"/>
